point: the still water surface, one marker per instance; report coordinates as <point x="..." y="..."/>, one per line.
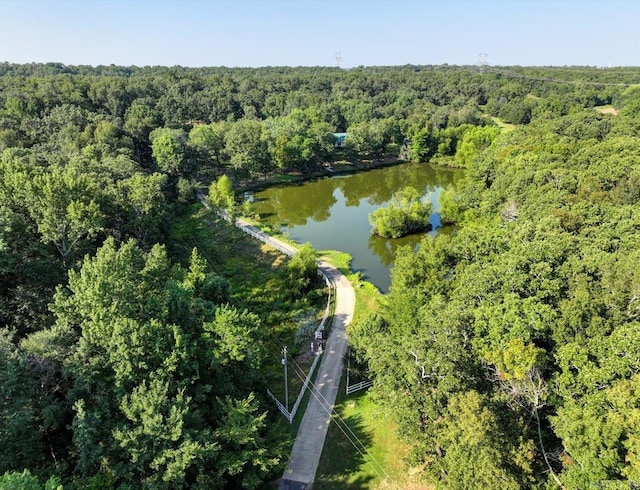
<point x="333" y="213"/>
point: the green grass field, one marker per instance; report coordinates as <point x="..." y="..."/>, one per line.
<point x="362" y="450"/>
<point x="606" y="109"/>
<point x="504" y="126"/>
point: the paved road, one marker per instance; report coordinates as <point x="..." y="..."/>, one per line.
<point x="305" y="456"/>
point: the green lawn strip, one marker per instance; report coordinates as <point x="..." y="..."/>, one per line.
<point x="340" y="260"/>
<point x="345" y="463"/>
<point x="505" y="126"/>
<point x="367" y="295"/>
<point x="606" y="109"/>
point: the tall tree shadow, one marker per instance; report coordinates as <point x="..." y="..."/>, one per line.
<point x="344" y="454"/>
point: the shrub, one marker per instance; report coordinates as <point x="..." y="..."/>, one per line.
<point x="302" y="270"/>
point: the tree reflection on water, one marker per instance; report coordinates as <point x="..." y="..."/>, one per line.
<point x="332" y="213"/>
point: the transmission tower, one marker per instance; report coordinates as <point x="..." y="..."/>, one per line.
<point x="483" y="60"/>
<point x="338" y="58"/>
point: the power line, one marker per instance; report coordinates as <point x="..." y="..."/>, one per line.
<point x="341" y="424"/>
<point x="329" y="410"/>
<point x="315" y="392"/>
<point x="286" y="378"/>
<point x="339" y="421"/>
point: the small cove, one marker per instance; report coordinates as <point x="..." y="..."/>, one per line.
<point x="332" y="213"/>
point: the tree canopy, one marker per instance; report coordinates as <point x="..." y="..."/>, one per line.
<point x="508" y="352"/>
<point x="406" y="214"/>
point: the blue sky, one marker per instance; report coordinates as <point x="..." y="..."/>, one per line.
<point x="310" y="32"/>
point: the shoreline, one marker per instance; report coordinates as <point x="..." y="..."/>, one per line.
<point x="339" y="168"/>
<point x="296" y="177"/>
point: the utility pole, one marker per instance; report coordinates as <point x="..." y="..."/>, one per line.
<point x="338" y="58"/>
<point x="286" y="380"/>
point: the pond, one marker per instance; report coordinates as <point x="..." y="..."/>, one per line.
<point x="333" y="213"/>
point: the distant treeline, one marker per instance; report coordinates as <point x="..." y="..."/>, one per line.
<point x="285" y="116"/>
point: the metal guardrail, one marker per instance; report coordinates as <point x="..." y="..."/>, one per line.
<point x="294" y="410"/>
<point x="252" y="230"/>
<point x="290" y="415"/>
<point x="327" y="310"/>
<point x="263" y="237"/>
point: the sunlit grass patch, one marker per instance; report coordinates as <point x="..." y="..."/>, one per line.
<point x="607" y="109"/>
<point x="362" y="449"/>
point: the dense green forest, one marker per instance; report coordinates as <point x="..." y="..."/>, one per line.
<point x="509" y="352"/>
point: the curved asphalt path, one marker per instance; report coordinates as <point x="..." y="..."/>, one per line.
<point x="305" y="455"/>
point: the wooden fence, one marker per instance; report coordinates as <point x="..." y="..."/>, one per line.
<point x="359" y="386"/>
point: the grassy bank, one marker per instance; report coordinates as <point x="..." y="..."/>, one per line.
<point x="362" y="450"/>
